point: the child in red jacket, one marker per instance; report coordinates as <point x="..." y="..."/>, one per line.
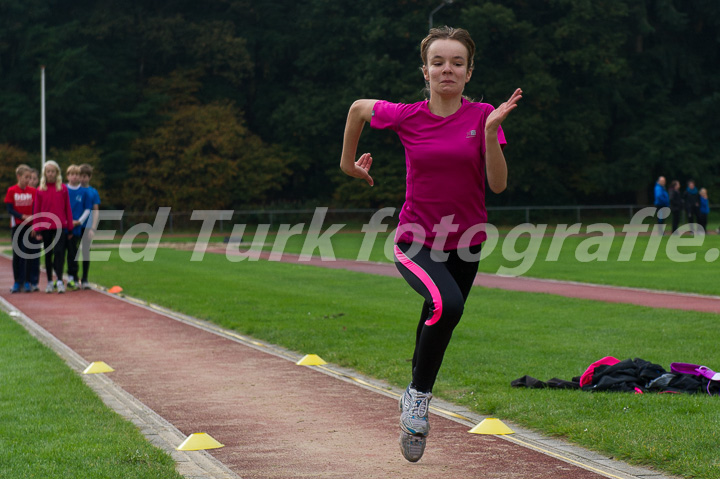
<point x="53" y="221"/>
<point x="19" y="203"/>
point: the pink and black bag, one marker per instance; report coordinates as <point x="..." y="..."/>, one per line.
<point x="697" y="370"/>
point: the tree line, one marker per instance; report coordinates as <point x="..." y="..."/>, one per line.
<point x="234" y="103"/>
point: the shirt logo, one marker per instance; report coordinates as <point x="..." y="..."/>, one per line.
<point x="23" y="199"/>
<point x="471" y="134"/>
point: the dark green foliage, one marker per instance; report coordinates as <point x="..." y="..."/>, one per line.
<point x="617" y="92"/>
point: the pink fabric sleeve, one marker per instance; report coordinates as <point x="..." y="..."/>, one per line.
<point x="384" y="115"/>
<point x="36" y="209"/>
<point x="500" y="133"/>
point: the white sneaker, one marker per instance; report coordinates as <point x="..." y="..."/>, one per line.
<point x="414" y="406"/>
<point x="60" y="287"/>
<point x="412" y="447"/>
<point x="50" y="287"/>
<point x="414" y="423"/>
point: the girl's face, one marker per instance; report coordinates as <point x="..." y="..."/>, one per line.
<point x="447" y="70"/>
<point x="50" y="174"/>
<point x="34" y="180"/>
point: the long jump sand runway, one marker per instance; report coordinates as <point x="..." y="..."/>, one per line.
<point x="276" y="419"/>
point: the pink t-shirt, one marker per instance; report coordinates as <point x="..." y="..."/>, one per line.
<point x="445" y="160"/>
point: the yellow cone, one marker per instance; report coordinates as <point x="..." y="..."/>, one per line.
<point x="98" y="367"/>
<point x="491" y="426"/>
<point x="198" y="441"/>
<point x="311" y="360"/>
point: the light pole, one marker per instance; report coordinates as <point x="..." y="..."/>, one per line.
<point x="430" y="18"/>
<point x="42" y="117"/>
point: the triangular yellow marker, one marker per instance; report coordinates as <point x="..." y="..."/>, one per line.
<point x="311" y="360"/>
<point x="198" y="441"/>
<point x="98" y="367"/>
<point x="491" y="426"/>
<point x="115" y="290"/>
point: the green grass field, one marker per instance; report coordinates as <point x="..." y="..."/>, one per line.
<point x="53" y="426"/>
<point x="367" y="323"/>
<point x="648" y="262"/>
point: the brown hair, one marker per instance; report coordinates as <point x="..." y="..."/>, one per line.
<point x="22" y="169"/>
<point x="86" y="169"/>
<point x="448" y="33"/>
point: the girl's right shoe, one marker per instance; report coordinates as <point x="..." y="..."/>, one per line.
<point x="414" y="408"/>
<point x="414" y="424"/>
<point x="50" y="287"/>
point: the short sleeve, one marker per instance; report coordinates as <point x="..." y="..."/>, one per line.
<point x="384" y="115"/>
<point x="501" y="137"/>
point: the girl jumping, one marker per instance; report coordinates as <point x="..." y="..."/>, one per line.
<point x="452" y="146"/>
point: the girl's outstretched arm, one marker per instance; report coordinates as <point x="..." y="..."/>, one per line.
<point x="494" y="159"/>
<point x="360" y="113"/>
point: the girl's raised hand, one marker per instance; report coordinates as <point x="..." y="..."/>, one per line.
<point x="498" y="115"/>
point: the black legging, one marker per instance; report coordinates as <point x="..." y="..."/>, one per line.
<point x="445" y="285"/>
<point x="54" y="255"/>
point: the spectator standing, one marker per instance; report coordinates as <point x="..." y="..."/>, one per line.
<point x="91" y="223"/>
<point x="676" y="204"/>
<point x="34" y="178"/>
<point x="80" y="204"/>
<point x="692" y="203"/>
<point x="661" y="201"/>
<point x="704" y="209"/>
<point x="35" y="244"/>
<point x="53" y="222"/>
<point x="19" y="203"/>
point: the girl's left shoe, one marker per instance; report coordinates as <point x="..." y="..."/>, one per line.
<point x="412" y="447"/>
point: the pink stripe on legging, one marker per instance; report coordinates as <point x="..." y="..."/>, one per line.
<point x="426" y="280"/>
